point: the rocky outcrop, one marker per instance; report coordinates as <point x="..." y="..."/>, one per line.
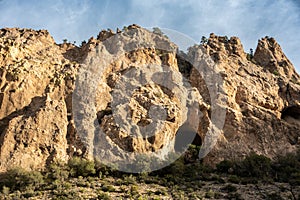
<point x="36" y="81"/>
<point x="260" y="98"/>
<point x="259" y="95"/>
<point x="270" y="56"/>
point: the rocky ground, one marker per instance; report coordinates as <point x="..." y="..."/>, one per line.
<point x="214" y="186"/>
<point x="256" y="177"/>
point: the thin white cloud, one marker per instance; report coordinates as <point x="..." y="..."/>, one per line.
<point x="77" y="20"/>
<point x="248" y="19"/>
<point x="71" y="13"/>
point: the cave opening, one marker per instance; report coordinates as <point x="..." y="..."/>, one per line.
<point x="184" y="137"/>
<point x="291" y="115"/>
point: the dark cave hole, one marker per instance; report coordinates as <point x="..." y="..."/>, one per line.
<point x="292" y="111"/>
<point x="186" y="136"/>
<point x="102" y="113"/>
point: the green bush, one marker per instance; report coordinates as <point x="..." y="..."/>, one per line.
<point x="287" y="168"/>
<point x="229" y="188"/>
<point x="254" y="165"/>
<point x="210" y="194"/>
<point x="134" y="190"/>
<point x="192" y="154"/>
<point x="276" y="73"/>
<point x="103" y="170"/>
<point x="142" y="163"/>
<point x="103" y="196"/>
<point x="81" y="167"/>
<point x="234" y="179"/>
<point x="274" y="196"/>
<point x="258" y="167"/>
<point x="58" y="171"/>
<point x="224" y="166"/>
<point x="127" y="180"/>
<point x="108" y="188"/>
<point x="176" y="167"/>
<point x="19" y="179"/>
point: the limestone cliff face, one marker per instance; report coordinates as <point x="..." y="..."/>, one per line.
<point x="38" y="80"/>
<point x="263" y="99"/>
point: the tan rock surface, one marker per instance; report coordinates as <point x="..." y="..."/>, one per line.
<point x="38" y="79"/>
<point x="34" y="81"/>
<point x="258" y="98"/>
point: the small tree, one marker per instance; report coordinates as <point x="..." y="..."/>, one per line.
<point x="250" y="55"/>
<point x="204" y="40"/>
<point x="83" y="43"/>
<point x="226" y="38"/>
<point x="81" y="167"/>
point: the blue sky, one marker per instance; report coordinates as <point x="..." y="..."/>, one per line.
<point x="78" y="20"/>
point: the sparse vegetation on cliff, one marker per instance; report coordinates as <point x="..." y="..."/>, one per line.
<point x="85" y="179"/>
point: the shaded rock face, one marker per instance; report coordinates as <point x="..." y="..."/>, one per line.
<point x="38" y="79"/>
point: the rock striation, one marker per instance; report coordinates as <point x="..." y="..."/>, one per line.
<point x="39" y="77"/>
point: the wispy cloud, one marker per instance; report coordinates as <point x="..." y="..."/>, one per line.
<point x="77" y="20"/>
<point x="250" y="20"/>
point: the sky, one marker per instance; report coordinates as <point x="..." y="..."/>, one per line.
<point x="78" y="20"/>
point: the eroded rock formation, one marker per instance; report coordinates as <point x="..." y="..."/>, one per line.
<point x="38" y="79"/>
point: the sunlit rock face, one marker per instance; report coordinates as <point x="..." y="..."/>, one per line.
<point x="172" y="101"/>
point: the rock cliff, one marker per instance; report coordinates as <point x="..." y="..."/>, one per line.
<point x="38" y="97"/>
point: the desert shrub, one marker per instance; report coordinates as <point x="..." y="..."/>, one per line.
<point x="234" y="179"/>
<point x="81" y="167"/>
<point x="224" y="166"/>
<point x="276" y="73"/>
<point x="103" y="170"/>
<point x="274" y="196"/>
<point x="192" y="154"/>
<point x="57" y="171"/>
<point x="161" y="191"/>
<point x="254" y="165"/>
<point x="249" y="180"/>
<point x="176" y="167"/>
<point x="134" y="190"/>
<point x="108" y="188"/>
<point x="19" y="179"/>
<point x="210" y="194"/>
<point x="128" y="180"/>
<point x="236" y="196"/>
<point x="229" y="188"/>
<point x="103" y="196"/>
<point x="142" y="163"/>
<point x="287" y="168"/>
